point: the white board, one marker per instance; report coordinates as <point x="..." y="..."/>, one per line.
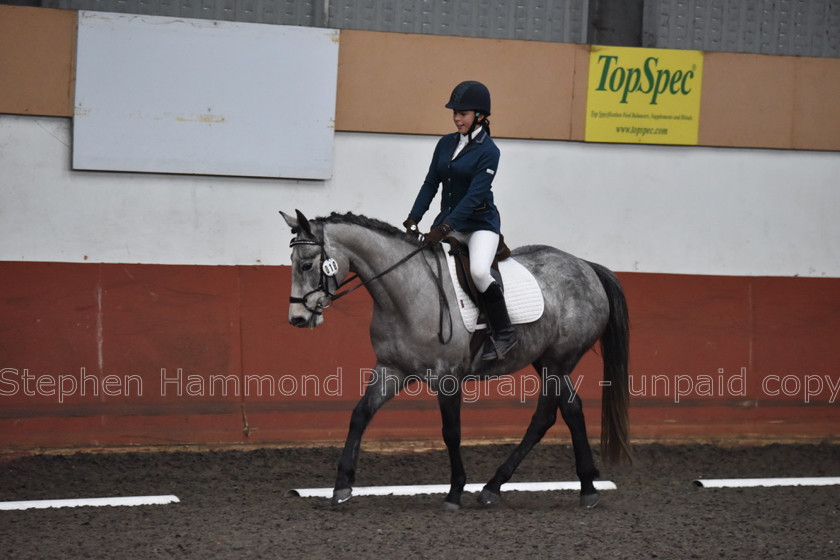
<point x="95" y="502"/>
<point x="413" y="490"/>
<point x="159" y="94"/>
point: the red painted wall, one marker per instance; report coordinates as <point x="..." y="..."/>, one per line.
<point x="111" y="354"/>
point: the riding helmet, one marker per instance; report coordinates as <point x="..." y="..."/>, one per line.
<point x="470" y="96"/>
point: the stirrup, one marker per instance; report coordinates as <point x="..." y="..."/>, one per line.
<point x="499" y="348"/>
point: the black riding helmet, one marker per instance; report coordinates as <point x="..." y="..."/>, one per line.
<point x="470" y="96"/>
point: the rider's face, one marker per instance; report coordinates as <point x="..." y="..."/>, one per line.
<point x="464" y="120"/>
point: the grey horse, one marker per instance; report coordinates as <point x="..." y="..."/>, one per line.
<point x="584" y="303"/>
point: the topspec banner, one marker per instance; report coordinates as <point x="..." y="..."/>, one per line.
<point x="649" y="96"/>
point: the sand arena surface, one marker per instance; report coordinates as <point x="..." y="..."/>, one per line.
<point x="234" y="505"/>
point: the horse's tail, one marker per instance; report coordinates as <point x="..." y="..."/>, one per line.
<point x="615" y="348"/>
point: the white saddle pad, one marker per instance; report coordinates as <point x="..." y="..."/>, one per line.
<point x="523" y="296"/>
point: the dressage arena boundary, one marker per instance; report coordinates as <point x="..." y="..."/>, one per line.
<point x="765" y="482"/>
<point x="413" y="490"/>
<point x="95" y="502"/>
<point x="552" y="486"/>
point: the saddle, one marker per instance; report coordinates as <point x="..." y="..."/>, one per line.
<point x="461" y="255"/>
<point x="460" y="251"/>
<point x="523" y="296"/>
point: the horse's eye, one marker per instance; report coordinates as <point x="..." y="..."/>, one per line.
<point x="305" y="266"/>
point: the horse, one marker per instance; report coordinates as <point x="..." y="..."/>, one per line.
<point x="583" y="304"/>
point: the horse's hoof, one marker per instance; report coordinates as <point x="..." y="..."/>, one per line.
<point x="489" y="498"/>
<point x="589" y="501"/>
<point x="449" y="506"/>
<point x="341" y="496"/>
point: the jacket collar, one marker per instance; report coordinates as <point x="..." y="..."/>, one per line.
<point x="477" y="140"/>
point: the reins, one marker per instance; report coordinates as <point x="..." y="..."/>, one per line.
<point x="329" y="268"/>
<point x="442" y="301"/>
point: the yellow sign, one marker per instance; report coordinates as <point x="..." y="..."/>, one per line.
<point x="648" y="96"/>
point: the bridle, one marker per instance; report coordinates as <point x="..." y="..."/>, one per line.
<point x="327" y="273"/>
<point x="329" y="269"/>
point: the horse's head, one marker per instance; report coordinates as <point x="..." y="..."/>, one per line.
<point x="311" y="273"/>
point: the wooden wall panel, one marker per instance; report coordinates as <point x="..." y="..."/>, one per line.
<point x="399" y="83"/>
<point x="581" y="81"/>
<point x="94" y="341"/>
<point x="747" y="100"/>
<point x="816" y="111"/>
<point x="37" y="61"/>
<point x="207" y="321"/>
<point x="539" y="90"/>
<point x="796" y="333"/>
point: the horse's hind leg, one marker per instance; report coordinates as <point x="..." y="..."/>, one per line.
<point x="543" y="418"/>
<point x="571" y="408"/>
<point x="382" y="386"/>
<point x="450" y="412"/>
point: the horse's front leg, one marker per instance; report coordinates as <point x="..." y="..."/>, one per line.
<point x="450" y="413"/>
<point x="382" y="386"/>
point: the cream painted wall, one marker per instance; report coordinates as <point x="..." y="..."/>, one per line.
<point x="633" y="208"/>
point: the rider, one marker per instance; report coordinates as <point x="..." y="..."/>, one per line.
<point x="465" y="162"/>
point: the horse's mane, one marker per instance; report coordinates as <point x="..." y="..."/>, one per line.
<point x="365" y="222"/>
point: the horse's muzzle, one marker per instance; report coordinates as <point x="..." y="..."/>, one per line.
<point x="305" y="320"/>
<point x="298" y="321"/>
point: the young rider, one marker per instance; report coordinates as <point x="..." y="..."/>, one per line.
<point x="465" y="163"/>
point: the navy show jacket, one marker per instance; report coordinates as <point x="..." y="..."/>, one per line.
<point x="467" y="200"/>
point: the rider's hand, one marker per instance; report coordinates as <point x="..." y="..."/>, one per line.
<point x="437" y="234"/>
<point x="411" y="227"/>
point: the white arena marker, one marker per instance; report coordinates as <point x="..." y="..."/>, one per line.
<point x="120" y="501"/>
<point x="444" y="488"/>
<point x="755" y="482"/>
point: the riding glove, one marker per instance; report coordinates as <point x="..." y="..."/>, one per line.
<point x="410" y="226"/>
<point x="437" y="234"/>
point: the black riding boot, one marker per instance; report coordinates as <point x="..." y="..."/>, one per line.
<point x="502" y="337"/>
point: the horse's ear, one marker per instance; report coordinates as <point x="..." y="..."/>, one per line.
<point x="303" y="223"/>
<point x="290" y="221"/>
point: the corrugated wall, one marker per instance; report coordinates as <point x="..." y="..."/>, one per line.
<point x="281" y="12"/>
<point x="786" y="27"/>
<point x="541" y="20"/>
<point x="782" y="27"/>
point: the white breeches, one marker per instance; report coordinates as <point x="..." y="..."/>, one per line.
<point x="483" y="245"/>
